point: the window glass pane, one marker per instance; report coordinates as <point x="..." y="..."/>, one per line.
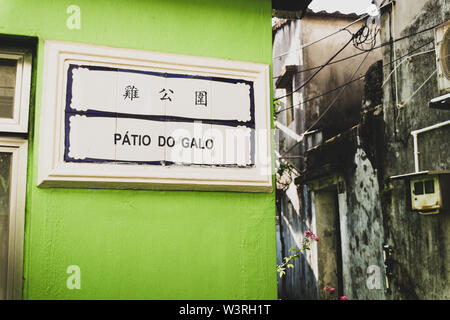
<point x="5" y="172"/>
<point x="418" y="188"/>
<point x="429" y="186"/>
<point x="8" y="69"/>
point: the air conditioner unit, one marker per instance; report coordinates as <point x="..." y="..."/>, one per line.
<point x="442" y="44"/>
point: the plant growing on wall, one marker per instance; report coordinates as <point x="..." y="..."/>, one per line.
<point x="276" y="111"/>
<point x="284" y="175"/>
<point x="305" y="245"/>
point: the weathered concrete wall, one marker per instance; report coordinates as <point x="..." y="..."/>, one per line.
<point x="373" y="210"/>
<point x="288" y="40"/>
<point x="300" y="282"/>
<point x="421" y="244"/>
<point x="328" y="260"/>
<point x="351" y="159"/>
<point x="302" y="208"/>
<point x="362" y="232"/>
<point x="359" y="208"/>
<point x="346" y="108"/>
<point x="287" y="51"/>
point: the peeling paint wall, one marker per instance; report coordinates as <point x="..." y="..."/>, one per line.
<point x="373" y="210"/>
<point x="362" y="232"/>
<point x="360" y="220"/>
<point x="300" y="282"/>
<point x="348" y="105"/>
<point x="421" y="244"/>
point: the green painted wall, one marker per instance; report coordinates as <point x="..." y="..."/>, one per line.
<point x="147" y="244"/>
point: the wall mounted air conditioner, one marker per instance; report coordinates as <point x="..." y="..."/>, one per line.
<point x="442" y="44"/>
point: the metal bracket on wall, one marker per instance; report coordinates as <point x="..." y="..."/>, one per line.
<point x="341" y="187"/>
<point x="388" y="263"/>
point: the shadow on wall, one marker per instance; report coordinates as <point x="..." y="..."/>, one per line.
<point x="299" y="283"/>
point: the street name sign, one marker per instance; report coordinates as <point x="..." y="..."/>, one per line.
<point x="122" y="118"/>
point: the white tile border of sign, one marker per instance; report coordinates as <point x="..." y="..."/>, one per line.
<point x="53" y="171"/>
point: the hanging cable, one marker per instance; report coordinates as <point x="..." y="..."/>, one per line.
<point x="403" y="61"/>
<point x="316" y="72"/>
<point x="402" y="105"/>
<point x="345" y="28"/>
<point x="360" y="53"/>
<point x="340" y="93"/>
<point x="408" y="55"/>
<point x="329" y="106"/>
<point x="329" y="61"/>
<point x="406" y="101"/>
<point x="322" y="94"/>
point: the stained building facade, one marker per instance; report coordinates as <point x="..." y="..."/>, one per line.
<point x="350" y="175"/>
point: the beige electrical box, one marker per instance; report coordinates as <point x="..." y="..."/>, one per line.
<point x="430" y="191"/>
<point x="426" y="195"/>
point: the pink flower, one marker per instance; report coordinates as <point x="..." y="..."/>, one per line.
<point x="308" y="233"/>
<point x="316" y="238"/>
<point x="344" y="298"/>
<point x="332" y="290"/>
<point x="326" y="288"/>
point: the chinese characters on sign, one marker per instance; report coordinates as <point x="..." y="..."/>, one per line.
<point x="201" y="98"/>
<point x="131" y="92"/>
<point x="166" y="94"/>
<point x="155" y="119"/>
<point x="126" y="118"/>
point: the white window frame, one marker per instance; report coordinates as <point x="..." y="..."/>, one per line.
<point x="55" y="172"/>
<point x="19" y="151"/>
<point x="19" y="122"/>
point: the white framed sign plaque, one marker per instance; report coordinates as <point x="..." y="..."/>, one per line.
<point x="122" y="118"/>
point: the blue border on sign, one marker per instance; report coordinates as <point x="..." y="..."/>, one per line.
<point x="95" y="113"/>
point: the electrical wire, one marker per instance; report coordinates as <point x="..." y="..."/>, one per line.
<point x="342" y="87"/>
<point x="340" y="93"/>
<point x="322" y="94"/>
<point x="360" y="53"/>
<point x="394" y="54"/>
<point x="317" y="71"/>
<point x="333" y="33"/>
<point x="355" y="35"/>
<point x="399" y="106"/>
<point x="402" y="105"/>
<point x="330" y="105"/>
<point x="367" y="37"/>
<point x="407" y="55"/>
<point x="403" y="61"/>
